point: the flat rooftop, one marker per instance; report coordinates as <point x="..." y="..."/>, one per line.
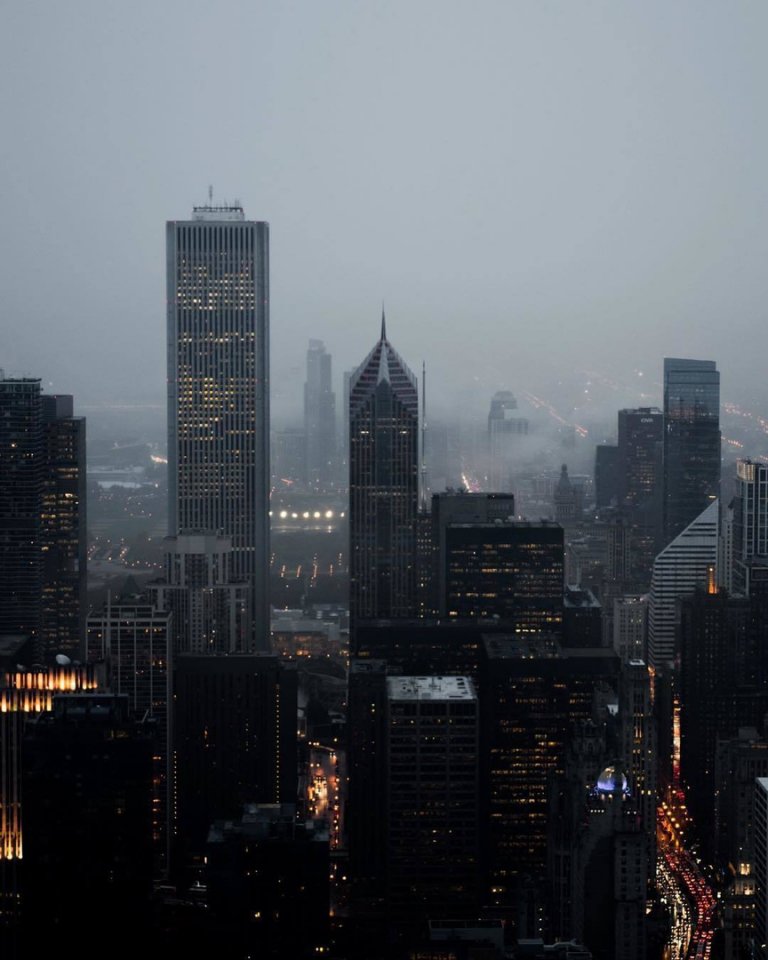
<point x="430" y="688"/>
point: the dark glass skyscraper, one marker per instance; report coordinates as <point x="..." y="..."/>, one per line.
<point x="383" y="485"/>
<point x="218" y="389"/>
<point x="691" y="441"/>
<point x="42" y="518"/>
<point x="641" y="435"/>
<point x="21" y="487"/>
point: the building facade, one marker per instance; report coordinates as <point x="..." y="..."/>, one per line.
<point x="383" y="485"/>
<point x="218" y="389"/>
<point x="691" y="441"/>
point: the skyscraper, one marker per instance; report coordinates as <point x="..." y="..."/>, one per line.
<point x="319" y="417"/>
<point x="750" y="522"/>
<point x="688" y="562"/>
<point x="691" y="441"/>
<point x="218" y="389"/>
<point x="641" y="434"/>
<point x="21" y="485"/>
<point x="64" y="537"/>
<point x="42" y="518"/>
<point x="383" y="485"/>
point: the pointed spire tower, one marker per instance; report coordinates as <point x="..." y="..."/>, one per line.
<point x="383" y="484"/>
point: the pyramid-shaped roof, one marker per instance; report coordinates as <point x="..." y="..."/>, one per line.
<point x="384" y="363"/>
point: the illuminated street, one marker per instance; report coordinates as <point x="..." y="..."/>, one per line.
<point x="681" y="883"/>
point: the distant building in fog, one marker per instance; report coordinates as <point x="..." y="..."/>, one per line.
<point x="319" y="418"/>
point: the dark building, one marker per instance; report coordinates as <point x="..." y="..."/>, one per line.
<point x="64" y="528"/>
<point x="134" y="641"/>
<point x="691" y="442"/>
<point x="750" y="524"/>
<point x="582" y="618"/>
<point x="512" y="571"/>
<point x="366" y="751"/>
<point x="234" y="739"/>
<point x="723" y="686"/>
<point x="22" y="475"/>
<point x="87" y="779"/>
<point x="458" y="506"/>
<point x="383" y="485"/>
<point x="319" y="418"/>
<point x="268" y="884"/>
<point x="640" y="446"/>
<point x="606" y="475"/>
<point x="43" y="548"/>
<point x="533" y="693"/>
<point x="431" y="814"/>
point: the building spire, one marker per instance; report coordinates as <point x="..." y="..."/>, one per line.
<point x="383" y="323"/>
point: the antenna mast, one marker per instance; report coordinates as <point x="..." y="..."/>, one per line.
<point x="423" y="436"/>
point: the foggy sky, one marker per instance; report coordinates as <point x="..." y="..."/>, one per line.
<point x="534" y="188"/>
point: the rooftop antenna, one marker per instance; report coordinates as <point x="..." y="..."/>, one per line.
<point x="383" y="323"/>
<point x="210" y="194"/>
<point x="424" y="435"/>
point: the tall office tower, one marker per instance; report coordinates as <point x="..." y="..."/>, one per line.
<point x="760" y="820"/>
<point x="22" y="474"/>
<point x="750" y="523"/>
<point x="691" y="442"/>
<point x="641" y="435"/>
<point x="234" y="739"/>
<point x="64" y="529"/>
<point x="504" y="429"/>
<point x="534" y="691"/>
<point x="87" y="773"/>
<point x="459" y="506"/>
<point x="687" y="562"/>
<point x="432" y="796"/>
<point x="512" y="571"/>
<point x="218" y="389"/>
<point x="319" y="418"/>
<point x="606" y="475"/>
<point x="383" y="485"/>
<point x="210" y="611"/>
<point x="723" y="686"/>
<point x="134" y="640"/>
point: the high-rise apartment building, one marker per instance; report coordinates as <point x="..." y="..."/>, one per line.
<point x="383" y="485"/>
<point x="691" y="441"/>
<point x="689" y="561"/>
<point x="218" y="389"/>
<point x="319" y="417"/>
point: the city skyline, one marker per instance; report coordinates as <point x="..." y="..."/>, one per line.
<point x="592" y="175"/>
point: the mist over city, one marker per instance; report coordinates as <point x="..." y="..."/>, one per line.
<point x="384" y="479"/>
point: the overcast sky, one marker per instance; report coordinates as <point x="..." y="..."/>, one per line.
<point x="533" y="186"/>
